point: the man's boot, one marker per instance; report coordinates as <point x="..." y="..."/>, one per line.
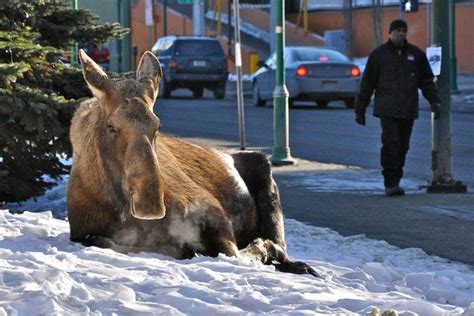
<point x="394" y="191"/>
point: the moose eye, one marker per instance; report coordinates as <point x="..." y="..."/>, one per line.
<point x="111" y="130"/>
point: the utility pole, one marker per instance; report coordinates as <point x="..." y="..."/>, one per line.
<point x="238" y="69"/>
<point x="281" y="149"/>
<point x="443" y="180"/>
<point x="452" y="47"/>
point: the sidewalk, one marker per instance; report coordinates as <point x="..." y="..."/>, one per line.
<point x="350" y="201"/>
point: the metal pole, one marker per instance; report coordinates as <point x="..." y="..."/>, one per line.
<point x="273" y="24"/>
<point x="238" y="69"/>
<point x="441" y="132"/>
<point x="452" y="47"/>
<point x="198" y="17"/>
<point x="281" y="150"/>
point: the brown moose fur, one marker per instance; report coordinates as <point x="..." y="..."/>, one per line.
<point x="132" y="188"/>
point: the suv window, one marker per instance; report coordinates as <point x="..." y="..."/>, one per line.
<point x="199" y="48"/>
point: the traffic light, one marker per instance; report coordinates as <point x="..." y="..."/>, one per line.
<point x="409" y="5"/>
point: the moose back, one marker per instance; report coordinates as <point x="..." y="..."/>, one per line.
<point x="133" y="188"/>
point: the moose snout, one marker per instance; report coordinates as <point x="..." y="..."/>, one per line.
<point x="144" y="206"/>
<point x="144" y="184"/>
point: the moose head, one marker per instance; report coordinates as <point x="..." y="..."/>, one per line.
<point x="127" y="134"/>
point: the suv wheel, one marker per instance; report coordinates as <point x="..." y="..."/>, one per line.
<point x="197" y="93"/>
<point x="219" y="92"/>
<point x="257" y="100"/>
<point x="165" y="91"/>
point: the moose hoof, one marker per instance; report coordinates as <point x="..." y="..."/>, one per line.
<point x="297" y="267"/>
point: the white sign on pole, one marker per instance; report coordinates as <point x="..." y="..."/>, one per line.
<point x="238" y="56"/>
<point x="434" y="57"/>
<point x="149" y="13"/>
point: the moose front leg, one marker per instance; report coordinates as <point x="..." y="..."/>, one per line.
<point x="265" y="251"/>
<point x="109" y="243"/>
<point x="259" y="250"/>
<point x="268" y="252"/>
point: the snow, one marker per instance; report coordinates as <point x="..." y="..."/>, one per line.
<point x="42" y="273"/>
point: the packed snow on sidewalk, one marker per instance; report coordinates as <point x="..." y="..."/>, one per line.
<point x="43" y="272"/>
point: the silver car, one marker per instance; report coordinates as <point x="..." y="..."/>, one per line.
<point x="312" y="74"/>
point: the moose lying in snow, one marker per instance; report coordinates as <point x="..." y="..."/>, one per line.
<point x="132" y="188"/>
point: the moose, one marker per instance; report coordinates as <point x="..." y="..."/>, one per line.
<point x="133" y="188"/>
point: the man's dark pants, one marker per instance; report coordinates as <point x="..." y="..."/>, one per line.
<point x="395" y="143"/>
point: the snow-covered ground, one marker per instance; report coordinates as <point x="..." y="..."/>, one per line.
<point x="43" y="273"/>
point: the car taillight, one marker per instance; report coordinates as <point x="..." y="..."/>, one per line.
<point x="355" y="72"/>
<point x="301" y="71"/>
<point x="172" y="63"/>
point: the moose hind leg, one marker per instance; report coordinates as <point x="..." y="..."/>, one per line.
<point x="255" y="170"/>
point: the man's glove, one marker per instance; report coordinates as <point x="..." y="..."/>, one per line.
<point x="360" y="119"/>
<point x="436" y="109"/>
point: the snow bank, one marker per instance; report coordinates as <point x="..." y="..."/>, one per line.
<point x="42" y="272"/>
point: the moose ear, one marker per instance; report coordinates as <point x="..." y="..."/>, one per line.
<point x="95" y="77"/>
<point x="149" y="73"/>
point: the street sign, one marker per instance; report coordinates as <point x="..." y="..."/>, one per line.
<point x="434" y="57"/>
<point x="185" y="1"/>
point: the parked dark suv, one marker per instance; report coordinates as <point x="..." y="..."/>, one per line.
<point x="192" y="62"/>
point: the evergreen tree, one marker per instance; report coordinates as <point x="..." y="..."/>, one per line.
<point x="38" y="93"/>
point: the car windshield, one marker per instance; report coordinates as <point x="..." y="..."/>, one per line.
<point x="198" y="48"/>
<point x="323" y="55"/>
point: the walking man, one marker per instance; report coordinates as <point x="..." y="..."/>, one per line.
<point x="396" y="70"/>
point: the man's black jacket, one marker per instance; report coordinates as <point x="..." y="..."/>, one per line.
<point x="396" y="74"/>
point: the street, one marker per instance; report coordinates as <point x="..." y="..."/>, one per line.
<point x="325" y="135"/>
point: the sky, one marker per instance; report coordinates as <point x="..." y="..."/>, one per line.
<point x="43" y="273"/>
